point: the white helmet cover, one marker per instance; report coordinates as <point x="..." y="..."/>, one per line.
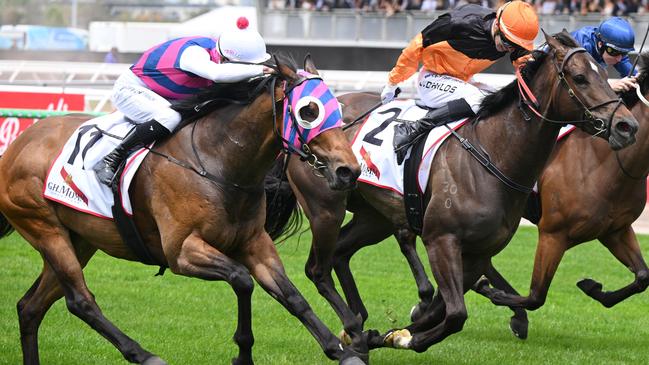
<point x="244" y="45"/>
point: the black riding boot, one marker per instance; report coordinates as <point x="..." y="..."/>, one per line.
<point x="138" y="137"/>
<point x="407" y="133"/>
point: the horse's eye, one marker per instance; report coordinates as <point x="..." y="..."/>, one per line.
<point x="580" y="79"/>
<point x="307" y="113"/>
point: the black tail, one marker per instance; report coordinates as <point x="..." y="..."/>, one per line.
<point x="5" y="226"/>
<point x="283" y="216"/>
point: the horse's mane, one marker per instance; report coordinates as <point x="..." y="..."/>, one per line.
<point x="630" y="97"/>
<point x="221" y="94"/>
<point x="498" y="100"/>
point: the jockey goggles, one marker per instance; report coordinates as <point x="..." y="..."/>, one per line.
<point x="614" y="52"/>
<point x="507" y="43"/>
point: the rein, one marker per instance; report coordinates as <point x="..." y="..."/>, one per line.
<point x="485" y="161"/>
<point x="305" y="154"/>
<point x="528" y="99"/>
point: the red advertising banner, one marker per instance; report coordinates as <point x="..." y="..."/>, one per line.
<point x="11" y="127"/>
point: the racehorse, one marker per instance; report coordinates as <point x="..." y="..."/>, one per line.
<point x="200" y="211"/>
<point x="589" y="192"/>
<point x="470" y="215"/>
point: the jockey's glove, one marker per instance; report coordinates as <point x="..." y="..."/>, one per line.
<point x="389" y="93"/>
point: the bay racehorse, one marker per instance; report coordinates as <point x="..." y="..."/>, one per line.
<point x="200" y="212"/>
<point x="589" y="192"/>
<point x="470" y="215"/>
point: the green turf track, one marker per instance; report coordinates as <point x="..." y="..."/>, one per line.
<point x="189" y="321"/>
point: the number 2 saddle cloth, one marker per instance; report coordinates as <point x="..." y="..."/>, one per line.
<point x="71" y="180"/>
<point x="372" y="145"/>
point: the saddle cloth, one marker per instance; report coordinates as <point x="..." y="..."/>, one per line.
<point x="372" y="146"/>
<point x="71" y="180"/>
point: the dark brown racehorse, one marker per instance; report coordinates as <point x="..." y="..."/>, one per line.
<point x="470" y="215"/>
<point x="589" y="192"/>
<point x="209" y="227"/>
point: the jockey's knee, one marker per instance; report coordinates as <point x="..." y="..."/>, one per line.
<point x="168" y="117"/>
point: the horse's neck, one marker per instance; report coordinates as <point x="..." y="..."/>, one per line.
<point x="239" y="149"/>
<point x="518" y="147"/>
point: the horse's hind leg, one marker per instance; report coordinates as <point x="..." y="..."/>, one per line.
<point x="198" y="259"/>
<point x="265" y="266"/>
<point x="56" y="248"/>
<point x="624" y="246"/>
<point x="407" y="243"/>
<point x="37" y="301"/>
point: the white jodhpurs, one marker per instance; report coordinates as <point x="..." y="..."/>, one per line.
<point x="140" y="104"/>
<point x="436" y="90"/>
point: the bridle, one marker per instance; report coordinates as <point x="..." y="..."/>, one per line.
<point x="528" y="99"/>
<point x="304" y="152"/>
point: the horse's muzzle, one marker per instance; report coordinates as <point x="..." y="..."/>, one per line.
<point x="623" y="133"/>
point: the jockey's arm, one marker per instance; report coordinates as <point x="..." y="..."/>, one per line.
<point x="408" y="62"/>
<point x="197" y="61"/>
<point x="625" y="66"/>
<point x="626" y="83"/>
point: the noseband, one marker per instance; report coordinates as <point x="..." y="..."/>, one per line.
<point x="528" y="98"/>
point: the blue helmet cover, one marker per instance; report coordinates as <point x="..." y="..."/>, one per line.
<point x="617" y="33"/>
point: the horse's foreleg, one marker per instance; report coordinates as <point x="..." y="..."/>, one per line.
<point x="198" y="259"/>
<point x="33" y="306"/>
<point x="407" y="241"/>
<point x="325" y="227"/>
<point x="549" y="252"/>
<point x="265" y="266"/>
<point x="446" y="261"/>
<point x="518" y="323"/>
<point x="363" y="230"/>
<point x="624" y="246"/>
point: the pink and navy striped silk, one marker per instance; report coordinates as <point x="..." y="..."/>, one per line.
<point x="313" y="86"/>
<point x="159" y="68"/>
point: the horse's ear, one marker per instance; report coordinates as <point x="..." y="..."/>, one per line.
<point x="285" y="70"/>
<point x="309" y="66"/>
<point x="552" y="42"/>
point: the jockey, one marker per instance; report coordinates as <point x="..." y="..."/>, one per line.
<point x="453" y="48"/>
<point x="609" y="44"/>
<point x="173" y="70"/>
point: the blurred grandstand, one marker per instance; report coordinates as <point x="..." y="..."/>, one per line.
<point x="63" y="44"/>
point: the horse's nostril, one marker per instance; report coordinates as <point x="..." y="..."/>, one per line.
<point x="623" y="127"/>
<point x="345" y="174"/>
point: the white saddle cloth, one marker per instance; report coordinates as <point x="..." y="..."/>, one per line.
<point x="71" y="180"/>
<point x="372" y="146"/>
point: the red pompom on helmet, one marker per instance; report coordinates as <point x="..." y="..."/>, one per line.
<point x="242" y="22"/>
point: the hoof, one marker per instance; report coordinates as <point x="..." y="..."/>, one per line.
<point x="589" y="286"/>
<point x="374" y="339"/>
<point x="352" y="361"/>
<point x="344" y="338"/>
<point x="398" y="339"/>
<point x="154" y="360"/>
<point x="519" y="327"/>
